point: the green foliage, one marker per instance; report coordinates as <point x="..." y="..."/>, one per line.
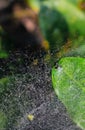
<point x="69" y="84"/>
<point x="61" y="20"/>
<point x="3" y="84"/>
<point x="53" y="26"/>
<point x="3" y="120"/>
<point x="34" y="4"/>
<point x="3" y="53"/>
<point x="75" y="2"/>
<point x="74" y="17"/>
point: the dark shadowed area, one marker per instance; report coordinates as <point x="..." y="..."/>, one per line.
<point x="30" y="93"/>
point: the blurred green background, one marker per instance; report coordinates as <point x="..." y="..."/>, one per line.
<point x="62" y="23"/>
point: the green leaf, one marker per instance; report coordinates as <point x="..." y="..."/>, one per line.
<point x="74" y="17"/>
<point x="69" y="84"/>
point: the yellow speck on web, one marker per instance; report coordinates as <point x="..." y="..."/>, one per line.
<point x="35" y="62"/>
<point x="30" y="117"/>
